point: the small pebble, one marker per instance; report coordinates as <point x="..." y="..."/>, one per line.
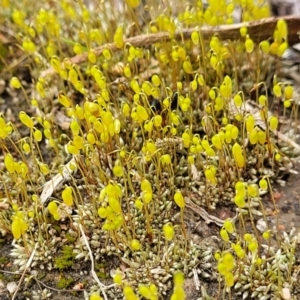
<point x="276" y="196"/>
<point x="286" y="294"/>
<point x="286" y="209"/>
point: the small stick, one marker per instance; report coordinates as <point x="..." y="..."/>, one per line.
<point x="257" y="30"/>
<point x="204" y="214"/>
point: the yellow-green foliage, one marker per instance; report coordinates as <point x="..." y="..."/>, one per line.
<point x="65" y="259"/>
<point x="142" y="122"/>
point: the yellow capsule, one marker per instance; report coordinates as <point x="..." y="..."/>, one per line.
<point x="127" y="71"/>
<point x="229" y="279"/>
<point x="134" y="3"/>
<point x="266" y="235"/>
<point x="212" y="94"/>
<point x="253" y="245"/>
<point x="273" y="123"/>
<point x="156" y="80"/>
<point x="118" y="171"/>
<point x="15" y="82"/>
<point x="224" y="235"/>
<point x="239" y="201"/>
<point x="263" y="184"/>
<point x="277" y="157"/>
<point x="67" y="196"/>
<point x="265" y="46"/>
<point x="249" y="45"/>
<point x="195" y="37"/>
<point x="91" y="138"/>
<point x="78" y="142"/>
<point x="216" y="141"/>
<point x="179" y="200"/>
<point x="229" y="226"/>
<point x="107" y="54"/>
<point x="243" y="31"/>
<point x="25" y="119"/>
<point x="75" y="127"/>
<point x="261" y="137"/>
<point x="72" y="149"/>
<point x="64" y="100"/>
<point x="142" y="113"/>
<point x="238" y="101"/>
<point x="187" y="67"/>
<point x="44" y="169"/>
<point x="277" y="90"/>
<point x="253" y="190"/>
<point x="118" y="37"/>
<point x="9" y="163"/>
<point x="288" y="92"/>
<point x="26" y="148"/>
<point x="135" y="245"/>
<point x="169" y="232"/>
<point x="287" y="103"/>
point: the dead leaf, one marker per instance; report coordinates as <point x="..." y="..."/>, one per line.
<point x="11" y="287"/>
<point x="195" y="173"/>
<point x="52" y="184"/>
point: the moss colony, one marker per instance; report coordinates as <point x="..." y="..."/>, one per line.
<point x="128" y="118"/>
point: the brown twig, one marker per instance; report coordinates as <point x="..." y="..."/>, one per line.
<point x="258" y="31"/>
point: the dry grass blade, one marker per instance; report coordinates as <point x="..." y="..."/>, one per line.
<point x="23" y="274"/>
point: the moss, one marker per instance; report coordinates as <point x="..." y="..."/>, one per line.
<point x="100" y="271"/>
<point x="187" y="105"/>
<point x="66" y="259"/>
<point x="41" y="275"/>
<point x="102" y="275"/>
<point x="64" y="282"/>
<point x="57" y="228"/>
<point x="3" y="260"/>
<point x="70" y="238"/>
